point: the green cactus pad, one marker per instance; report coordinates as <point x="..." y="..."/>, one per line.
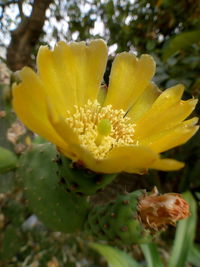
<point x="118" y="221"/>
<point x="8" y="160"/>
<point x="58" y="209"/>
<point x="80" y="180"/>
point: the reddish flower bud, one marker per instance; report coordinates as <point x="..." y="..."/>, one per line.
<point x="156" y="211"/>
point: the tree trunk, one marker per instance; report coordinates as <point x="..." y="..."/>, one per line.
<point x="25" y="37"/>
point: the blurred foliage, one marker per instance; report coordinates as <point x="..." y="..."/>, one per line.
<point x="170" y="32"/>
<point x="114" y="257"/>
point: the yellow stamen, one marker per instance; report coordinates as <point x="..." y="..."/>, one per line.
<point x="99" y="129"/>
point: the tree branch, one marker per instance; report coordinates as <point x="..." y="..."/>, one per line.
<point x="20" y="4"/>
<point x="25" y="37"/>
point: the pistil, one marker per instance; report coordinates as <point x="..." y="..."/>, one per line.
<point x="104" y="128"/>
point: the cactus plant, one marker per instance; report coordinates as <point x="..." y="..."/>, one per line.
<point x="57" y="208"/>
<point x="129" y="219"/>
<point x="67" y="211"/>
<point x="80" y="180"/>
<point x="8" y="160"/>
<point x="118" y="220"/>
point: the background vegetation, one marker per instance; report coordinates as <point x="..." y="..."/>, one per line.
<point x="168" y="30"/>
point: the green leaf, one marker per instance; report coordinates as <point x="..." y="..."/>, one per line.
<point x="194" y="256"/>
<point x="151" y="254"/>
<point x="179" y="42"/>
<point x="114" y="256"/>
<point x="8" y="160"/>
<point x="185" y="234"/>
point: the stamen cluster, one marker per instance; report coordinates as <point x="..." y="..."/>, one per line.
<point x="84" y="121"/>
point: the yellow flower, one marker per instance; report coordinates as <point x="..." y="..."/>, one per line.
<point x="124" y="131"/>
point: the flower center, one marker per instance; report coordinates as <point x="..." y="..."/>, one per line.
<point x="101" y="128"/>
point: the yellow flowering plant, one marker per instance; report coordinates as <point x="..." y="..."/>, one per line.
<point x="125" y="130"/>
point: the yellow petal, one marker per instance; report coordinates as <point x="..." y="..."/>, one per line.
<point x="68" y="152"/>
<point x="61" y="127"/>
<point x="171" y="138"/>
<point x="144" y="103"/>
<point x="191" y="122"/>
<point x="30" y="106"/>
<point x="64" y="131"/>
<point x="73" y="72"/>
<point x="168" y="98"/>
<point x="128" y="80"/>
<point x="167" y="120"/>
<point x="175" y="115"/>
<point x="163" y="103"/>
<point x="120" y="158"/>
<point x="167" y="165"/>
<point x="137" y="171"/>
<point x="50" y="80"/>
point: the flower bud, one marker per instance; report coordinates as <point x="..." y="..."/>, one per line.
<point x="157" y="211"/>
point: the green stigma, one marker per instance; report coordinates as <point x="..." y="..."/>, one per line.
<point x="104" y="127"/>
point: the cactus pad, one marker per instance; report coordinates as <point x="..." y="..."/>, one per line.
<point x="58" y="209"/>
<point x="80" y="180"/>
<point x="118" y="221"/>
